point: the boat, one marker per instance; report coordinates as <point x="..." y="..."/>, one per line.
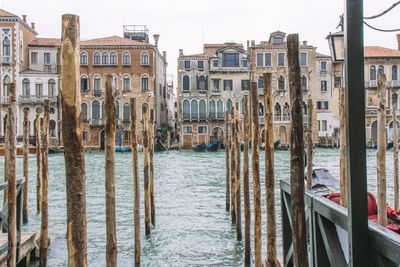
<point x="276" y="145"/>
<point x="389" y="144"/>
<point x="54" y="150"/>
<point x="213" y="146"/>
<point x="372" y="145"/>
<point x="123" y="149"/>
<point x="200" y="148"/>
<point x="241" y="146"/>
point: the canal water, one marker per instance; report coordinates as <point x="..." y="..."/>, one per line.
<point x="192" y="227"/>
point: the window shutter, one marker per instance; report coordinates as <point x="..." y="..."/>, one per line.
<point x="236" y="59"/>
<point x="197" y="82"/>
<point x="231" y="85"/>
<point x="206" y="82"/>
<point x="224" y="85"/>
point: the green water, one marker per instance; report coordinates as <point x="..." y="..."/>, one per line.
<point x="192" y="227"/>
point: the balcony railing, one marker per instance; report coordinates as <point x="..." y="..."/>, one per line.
<point x="35" y="100"/>
<point x="5" y="100"/>
<point x="96" y="122"/>
<point x="202" y="115"/>
<point x="220" y="115"/>
<point x="286" y="118"/>
<point x="194" y="115"/>
<point x="395" y="83"/>
<point x="97" y="91"/>
<point x="373" y="83"/>
<point x="277" y="118"/>
<point x="214" y="92"/>
<point x="261" y="119"/>
<point x="6" y="59"/>
<point x="186" y="115"/>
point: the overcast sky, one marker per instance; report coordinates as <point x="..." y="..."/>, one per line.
<point x="187" y="24"/>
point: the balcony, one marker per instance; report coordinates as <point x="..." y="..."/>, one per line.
<point x="202" y="116"/>
<point x="186" y="116"/>
<point x="372" y="84"/>
<point x="260" y="91"/>
<point x="286" y="118"/>
<point x="6" y="60"/>
<point x="96" y="122"/>
<point x="261" y="119"/>
<point x="5" y="100"/>
<point x="194" y="115"/>
<point x="277" y="118"/>
<point x="215" y="92"/>
<point x="97" y="92"/>
<point x="395" y="84"/>
<point x="36" y="100"/>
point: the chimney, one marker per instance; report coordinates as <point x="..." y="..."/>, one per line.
<point x="164" y="53"/>
<point x="180" y="52"/>
<point x="156" y="37"/>
<point x="304" y="42"/>
<point x="24" y="18"/>
<point x="33" y="25"/>
<point x="398" y="41"/>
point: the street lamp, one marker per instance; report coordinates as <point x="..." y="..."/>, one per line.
<point x="336" y="46"/>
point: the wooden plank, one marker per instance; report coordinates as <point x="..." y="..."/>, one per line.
<point x="26" y="246"/>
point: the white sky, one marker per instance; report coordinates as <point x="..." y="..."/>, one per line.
<point x="187" y="24"/>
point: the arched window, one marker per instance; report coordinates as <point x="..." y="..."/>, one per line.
<point x="26" y="90"/>
<point x="145" y="83"/>
<point x="202" y="109"/>
<point x="186" y="109"/>
<point x="52" y="128"/>
<point x="6" y="81"/>
<point x="242" y="107"/>
<point x="260" y="109"/>
<point x="126" y="83"/>
<point x="115" y="82"/>
<point x="103" y="111"/>
<point x="229" y="105"/>
<point x="84" y="83"/>
<point x="95" y="110"/>
<point x="84" y="112"/>
<point x="97" y="83"/>
<point x="145" y="106"/>
<point x="304" y="108"/>
<point x="212" y="109"/>
<point x="281" y="83"/>
<point x="394" y="73"/>
<point x="113" y="58"/>
<point x="220" y="109"/>
<point x="96" y="58"/>
<point x="84" y="58"/>
<point x="52" y="88"/>
<point x="202" y="83"/>
<point x="304" y="83"/>
<point x="145" y="58"/>
<point x="39" y="87"/>
<point x="372" y="73"/>
<point x="126" y="58"/>
<point x="286" y="112"/>
<point x="381" y="69"/>
<point x="104" y="58"/>
<point x="117" y="109"/>
<point x="394" y="100"/>
<point x="277" y="112"/>
<point x="260" y="82"/>
<point x="194" y="109"/>
<point x="186" y="83"/>
<point x="6" y="47"/>
<point x="126" y="112"/>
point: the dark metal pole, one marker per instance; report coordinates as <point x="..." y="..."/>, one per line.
<point x="355" y="112"/>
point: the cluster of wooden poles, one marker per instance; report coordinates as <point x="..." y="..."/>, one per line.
<point x="233" y="178"/>
<point x="42" y="174"/>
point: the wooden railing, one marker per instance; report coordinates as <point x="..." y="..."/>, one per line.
<point x="327" y="234"/>
<point x="4" y="214"/>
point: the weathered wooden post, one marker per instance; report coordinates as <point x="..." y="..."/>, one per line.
<point x="271" y="259"/>
<point x="38" y="165"/>
<point x="238" y="196"/>
<point x="246" y="187"/>
<point x="45" y="182"/>
<point x="146" y="170"/>
<point x="26" y="164"/>
<point x="136" y="183"/>
<point x="343" y="145"/>
<point x="168" y="140"/>
<point x="255" y="164"/>
<point x="296" y="154"/>
<point x="109" y="153"/>
<point x="10" y="146"/>
<point x="73" y="147"/>
<point x="381" y="153"/>
<point x="309" y="143"/>
<point x="395" y="156"/>
<point x="228" y="193"/>
<point x="233" y="166"/>
<point x="152" y="205"/>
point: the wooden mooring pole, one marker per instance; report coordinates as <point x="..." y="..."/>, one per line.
<point x="146" y="170"/>
<point x="109" y="153"/>
<point x="238" y="196"/>
<point x="271" y="259"/>
<point x="136" y="182"/>
<point x="228" y="189"/>
<point x="10" y="146"/>
<point x="152" y="205"/>
<point x="233" y="166"/>
<point x="72" y="138"/>
<point x="45" y="182"/>
<point x="26" y="164"/>
<point x="38" y="164"/>
<point x="309" y="143"/>
<point x="246" y="187"/>
<point x="255" y="164"/>
<point x="343" y="145"/>
<point x="395" y="155"/>
<point x="381" y="153"/>
<point x="300" y="255"/>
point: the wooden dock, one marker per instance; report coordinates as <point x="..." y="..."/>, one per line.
<point x="26" y="251"/>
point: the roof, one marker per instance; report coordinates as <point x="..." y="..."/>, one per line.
<point x="4" y="13"/>
<point x="321" y="55"/>
<point x="379" y="51"/>
<point x="211" y="49"/>
<point x="45" y="42"/>
<point x="113" y="41"/>
<point x="194" y="55"/>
